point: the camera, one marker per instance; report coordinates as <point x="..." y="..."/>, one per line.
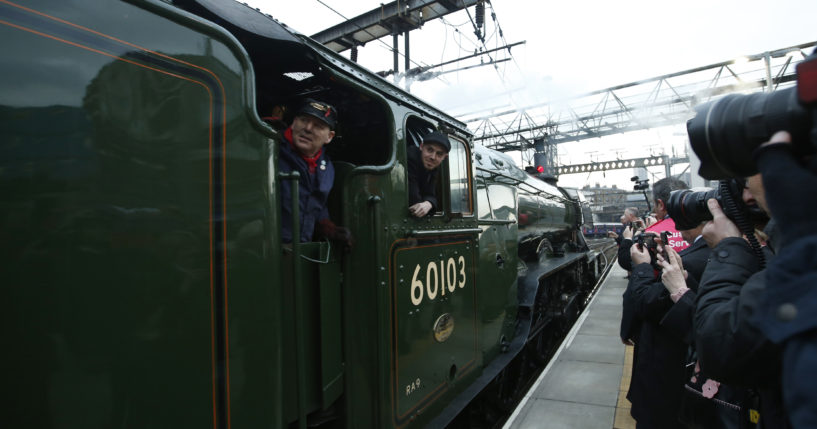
<point x="650" y="242"/>
<point x="724" y="133"/>
<point x="640" y="184"/>
<point x="688" y="207"/>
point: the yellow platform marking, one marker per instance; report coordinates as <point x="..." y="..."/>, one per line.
<point x="623" y="419"/>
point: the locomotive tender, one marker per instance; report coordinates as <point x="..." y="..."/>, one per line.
<point x="142" y="263"/>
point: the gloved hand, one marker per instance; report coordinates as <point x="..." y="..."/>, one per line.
<point x="787" y="185"/>
<point x="327" y="229"/>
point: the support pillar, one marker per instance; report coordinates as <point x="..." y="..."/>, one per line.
<point x="408" y="60"/>
<point x="767" y="58"/>
<point x="396" y="58"/>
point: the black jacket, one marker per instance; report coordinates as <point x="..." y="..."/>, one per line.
<point x="630" y="324"/>
<point x="624" y="260"/>
<point x="788" y="318"/>
<point x="422" y="182"/>
<point x="731" y="348"/>
<point x="660" y="354"/>
<point x="695" y="257"/>
<point x="679" y="318"/>
<point x="658" y="373"/>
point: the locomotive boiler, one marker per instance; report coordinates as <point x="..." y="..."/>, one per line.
<point x="143" y="265"/>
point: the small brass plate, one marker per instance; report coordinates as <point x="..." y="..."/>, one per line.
<point x="443" y="327"/>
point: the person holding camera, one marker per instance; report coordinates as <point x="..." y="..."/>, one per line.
<point x="730" y="345"/>
<point x="630" y="323"/>
<point x="660" y="354"/>
<point x="705" y="403"/>
<point x="630" y="216"/>
<point x="660" y="195"/>
<point x="787" y="310"/>
<point x="745" y="331"/>
<point x="661" y="192"/>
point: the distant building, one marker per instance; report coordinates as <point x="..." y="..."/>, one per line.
<point x="608" y="204"/>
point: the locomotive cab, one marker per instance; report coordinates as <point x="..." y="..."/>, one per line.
<point x="394" y="318"/>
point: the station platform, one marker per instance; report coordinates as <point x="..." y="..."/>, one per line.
<point x="585" y="384"/>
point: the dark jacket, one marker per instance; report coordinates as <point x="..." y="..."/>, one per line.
<point x="695" y="257"/>
<point x="788" y="316"/>
<point x="630" y="324"/>
<point x="660" y="354"/>
<point x="730" y="345"/>
<point x="313" y="191"/>
<point x="422" y="182"/>
<point x="624" y="260"/>
<point x="679" y="318"/>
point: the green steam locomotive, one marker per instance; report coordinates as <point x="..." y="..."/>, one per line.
<point x="143" y="271"/>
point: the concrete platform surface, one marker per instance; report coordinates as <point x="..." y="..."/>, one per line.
<point x="584" y="385"/>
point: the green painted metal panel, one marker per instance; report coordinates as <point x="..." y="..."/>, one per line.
<point x="433" y="288"/>
<point x="331" y="329"/>
<point x="498" y="264"/>
<point x="141" y="247"/>
<point x="320" y="289"/>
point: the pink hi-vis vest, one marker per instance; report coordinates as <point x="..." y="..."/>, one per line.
<point x="675" y="241"/>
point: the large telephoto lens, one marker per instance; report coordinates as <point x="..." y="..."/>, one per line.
<point x="688" y="208"/>
<point x="724" y="132"/>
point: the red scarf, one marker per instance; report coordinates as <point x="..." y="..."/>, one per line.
<point x="311" y="162"/>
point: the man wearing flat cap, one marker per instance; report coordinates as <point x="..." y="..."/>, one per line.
<point x="302" y="150"/>
<point x="423" y="169"/>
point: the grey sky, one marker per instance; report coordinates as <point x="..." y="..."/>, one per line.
<point x="573" y="47"/>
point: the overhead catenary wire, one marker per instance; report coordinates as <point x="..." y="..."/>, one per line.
<point x="488" y="35"/>
<point x="479" y="48"/>
<point x="390" y="48"/>
<point x="500" y="74"/>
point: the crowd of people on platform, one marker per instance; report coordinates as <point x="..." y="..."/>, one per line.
<point x="722" y="320"/>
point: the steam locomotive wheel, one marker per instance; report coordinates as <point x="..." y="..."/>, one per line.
<point x="541" y="346"/>
<point x="509" y="384"/>
<point x="543" y="337"/>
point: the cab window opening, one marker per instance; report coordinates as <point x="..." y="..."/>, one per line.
<point x="416" y="129"/>
<point x="459" y="178"/>
<point x="363" y="134"/>
<point x="452" y="182"/>
<point x="364" y="128"/>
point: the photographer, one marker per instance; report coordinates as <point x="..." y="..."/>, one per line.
<point x="661" y="192"/>
<point x="630" y="322"/>
<point x="630" y="216"/>
<point x="660" y="195"/>
<point x="788" y="308"/>
<point x="625" y="243"/>
<point x="730" y="346"/>
<point x="738" y="318"/>
<point x="706" y="403"/>
<point x="680" y="275"/>
<point x="658" y="375"/>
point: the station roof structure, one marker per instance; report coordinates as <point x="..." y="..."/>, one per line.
<point x="388" y="19"/>
<point x="659" y="101"/>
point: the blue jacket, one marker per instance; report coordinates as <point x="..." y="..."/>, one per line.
<point x="788" y="315"/>
<point x="313" y="191"/>
<point x="731" y="346"/>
